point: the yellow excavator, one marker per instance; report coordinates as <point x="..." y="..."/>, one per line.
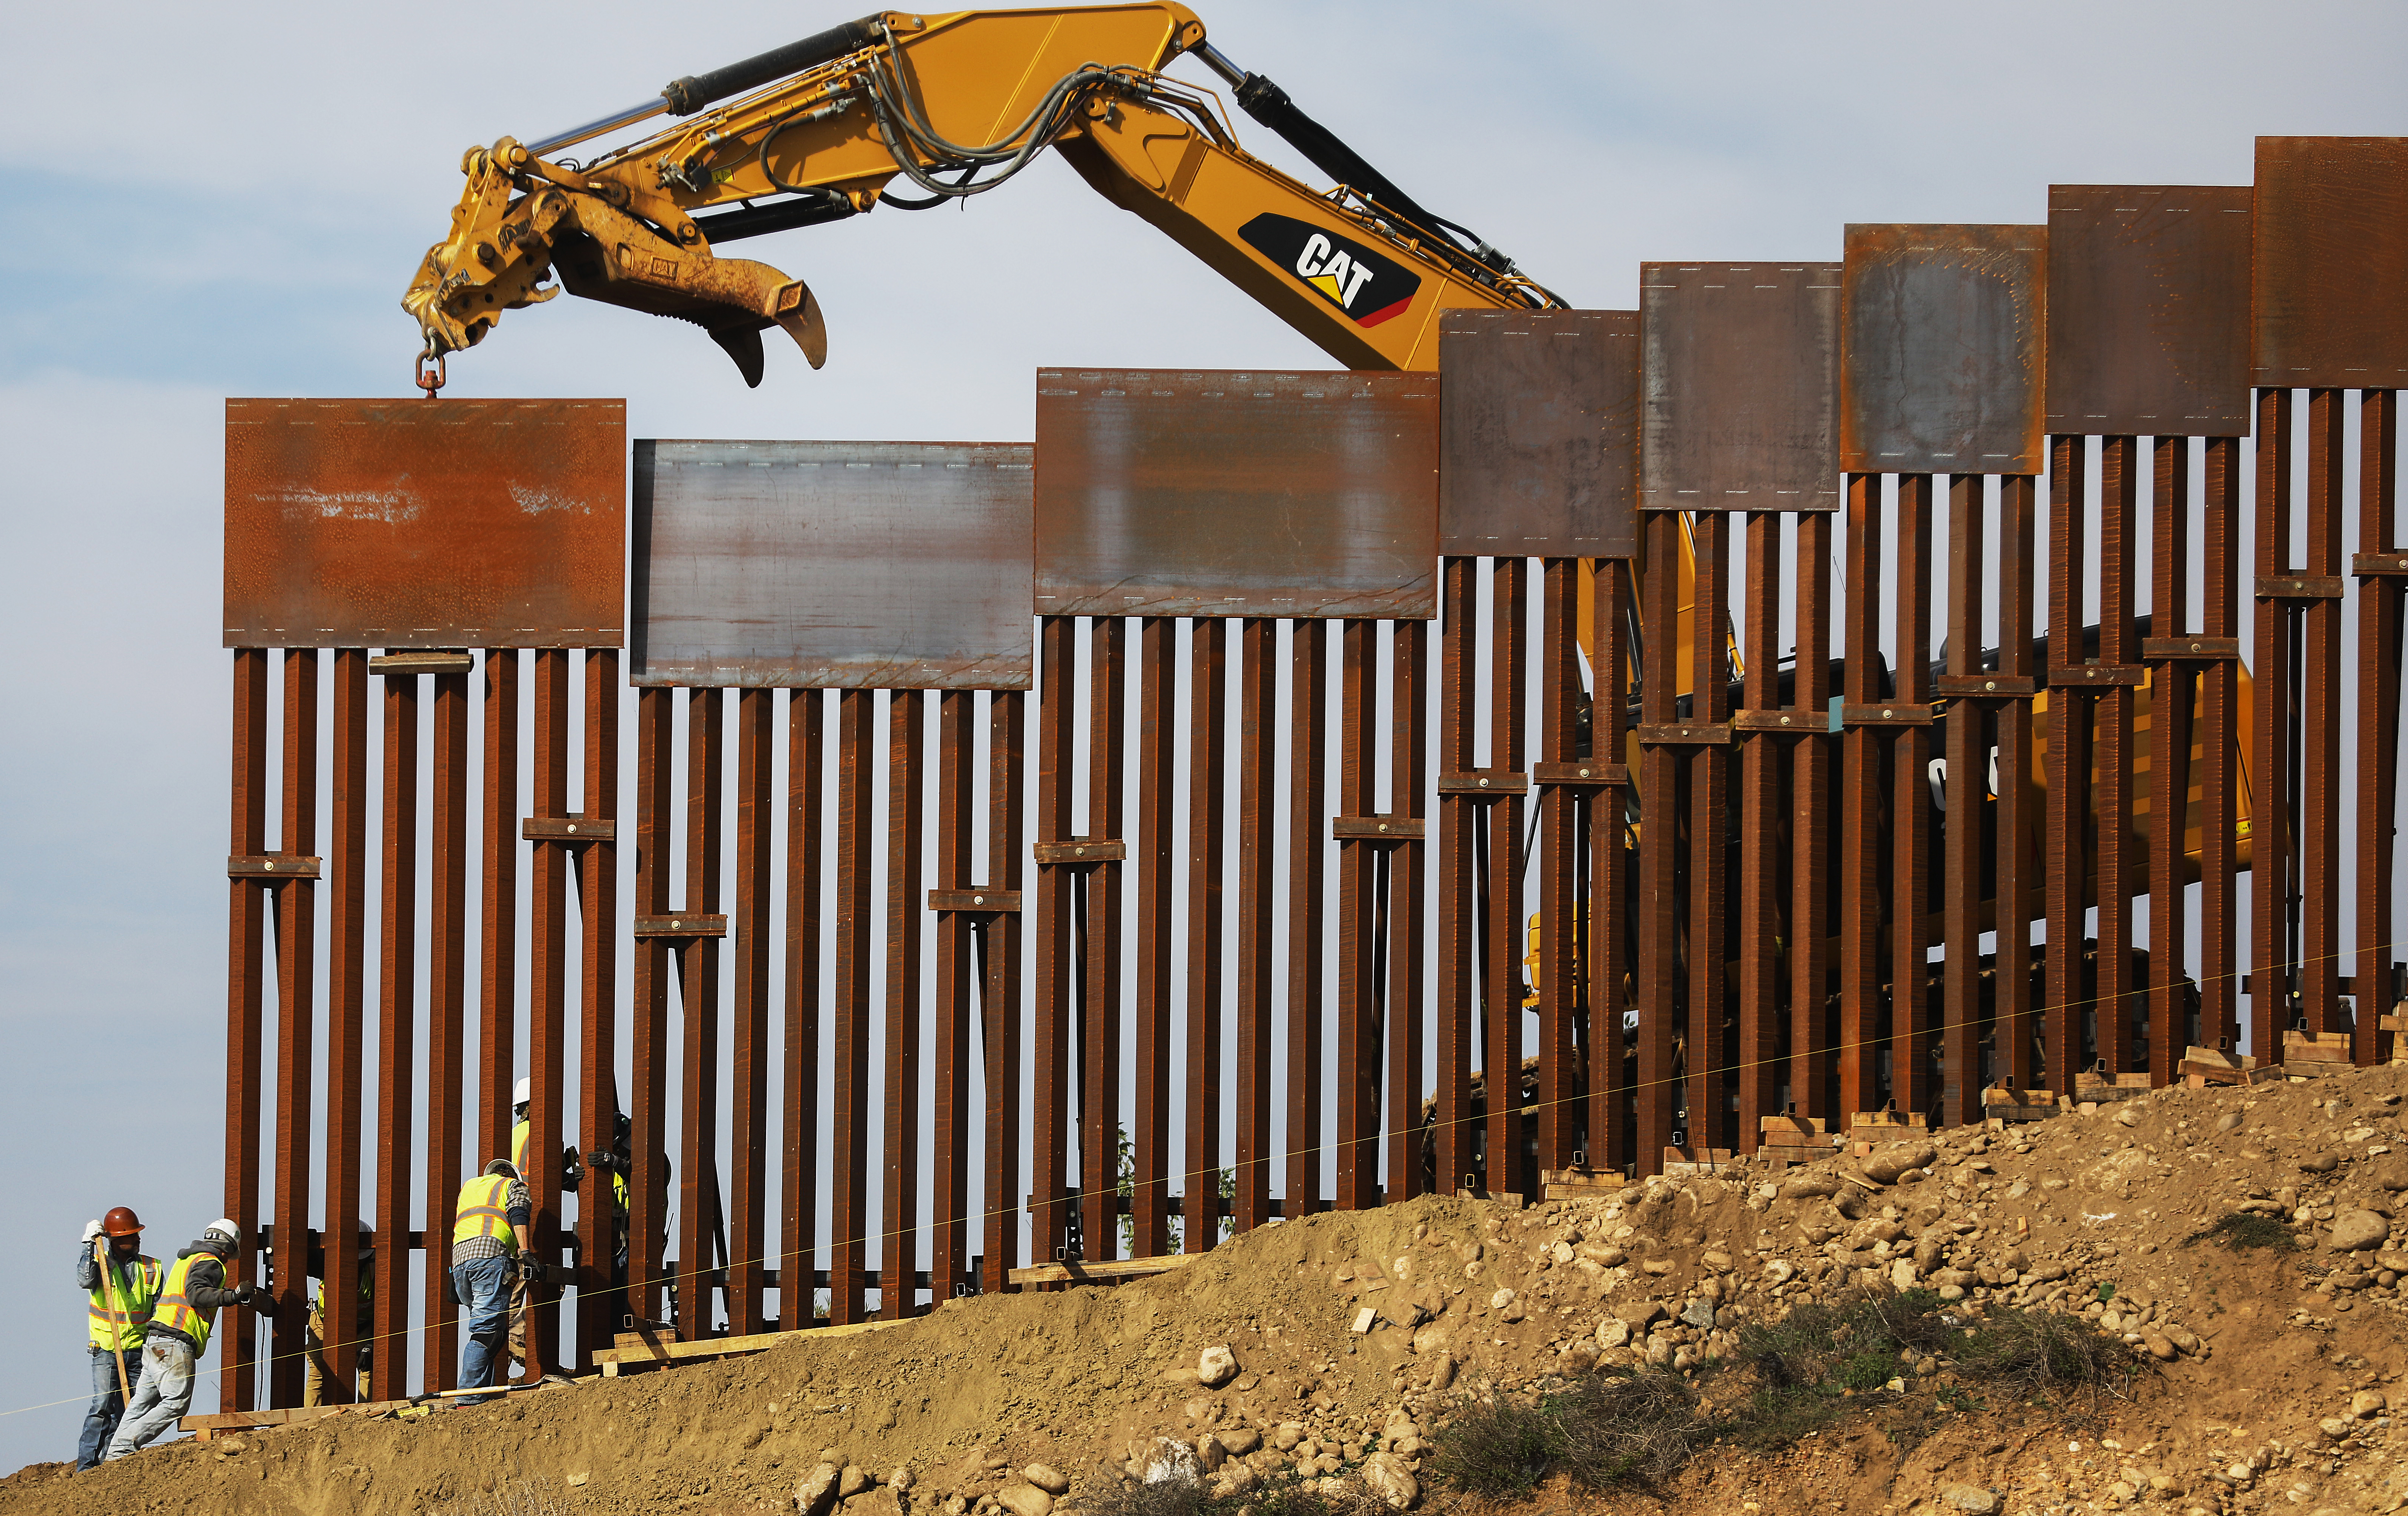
<point x="955" y="105"/>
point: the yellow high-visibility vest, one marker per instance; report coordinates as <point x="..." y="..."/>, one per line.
<point x="518" y="1146"/>
<point x="483" y="1211"/>
<point x="118" y="1325"/>
<point x="176" y="1310"/>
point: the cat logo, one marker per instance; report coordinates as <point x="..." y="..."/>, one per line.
<point x="1369" y="286"/>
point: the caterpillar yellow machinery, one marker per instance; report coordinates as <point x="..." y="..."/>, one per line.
<point x="956" y="105"/>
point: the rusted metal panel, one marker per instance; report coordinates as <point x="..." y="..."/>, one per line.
<point x="2331" y="262"/>
<point x="831" y="565"/>
<point x="1941" y="350"/>
<point x="1740" y="386"/>
<point x="1539" y="432"/>
<point x="2148" y="295"/>
<point x="425" y="524"/>
<point x="1227" y="493"/>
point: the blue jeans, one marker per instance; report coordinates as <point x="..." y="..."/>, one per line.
<point x="483" y="1284"/>
<point x="100" y="1420"/>
<point x="160" y="1400"/>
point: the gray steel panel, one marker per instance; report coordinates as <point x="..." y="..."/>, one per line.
<point x="2148" y="298"/>
<point x="1740" y="385"/>
<point x="1539" y="432"/>
<point x="1943" y="339"/>
<point x="891" y="566"/>
<point x="1202" y="493"/>
<point x="426" y="523"/>
<point x="2331" y="270"/>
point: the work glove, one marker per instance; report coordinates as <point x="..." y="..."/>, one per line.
<point x="531" y="1269"/>
<point x="242" y="1293"/>
<point x="91" y="1230"/>
<point x="571" y="1171"/>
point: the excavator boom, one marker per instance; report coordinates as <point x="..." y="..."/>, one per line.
<point x="955" y="105"/>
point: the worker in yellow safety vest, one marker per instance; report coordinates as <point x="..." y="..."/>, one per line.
<point x="572" y="1173"/>
<point x="189" y="1300"/>
<point x="491" y="1249"/>
<point x="319" y="1386"/>
<point x="124" y="1282"/>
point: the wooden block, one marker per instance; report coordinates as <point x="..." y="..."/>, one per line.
<point x="1803" y="1125"/>
<point x="1595" y="1179"/>
<point x="1099" y="1273"/>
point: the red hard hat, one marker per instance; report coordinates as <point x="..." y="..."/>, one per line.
<point x="121" y="1222"/>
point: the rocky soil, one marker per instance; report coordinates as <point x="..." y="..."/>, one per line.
<point x="1337" y="1346"/>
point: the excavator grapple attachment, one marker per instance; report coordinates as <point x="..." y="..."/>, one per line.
<point x="504" y="245"/>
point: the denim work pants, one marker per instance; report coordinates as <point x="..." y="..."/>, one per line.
<point x="483" y="1284"/>
<point x="100" y="1420"/>
<point x="161" y="1399"/>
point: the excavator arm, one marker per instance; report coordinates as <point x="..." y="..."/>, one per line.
<point x="954" y="106"/>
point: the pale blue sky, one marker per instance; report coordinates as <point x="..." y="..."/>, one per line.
<point x="228" y="201"/>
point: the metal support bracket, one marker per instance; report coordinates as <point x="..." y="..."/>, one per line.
<point x="272" y="866"/>
<point x="1985" y="686"/>
<point x="575" y="830"/>
<point x="1773" y="719"/>
<point x="1378" y="828"/>
<point x="1686" y="734"/>
<point x="2298" y="587"/>
<point x="976" y="901"/>
<point x="2192" y="650"/>
<point x="2098" y="676"/>
<point x="1586" y="774"/>
<point x="2379" y="565"/>
<point x="1081" y="850"/>
<point x="1894" y="714"/>
<point x="1484" y="781"/>
<point x="687" y="925"/>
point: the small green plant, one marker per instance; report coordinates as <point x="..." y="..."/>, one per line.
<point x="1956" y="1398"/>
<point x="2106" y="1293"/>
<point x="1498" y="1448"/>
<point x="2245" y="1230"/>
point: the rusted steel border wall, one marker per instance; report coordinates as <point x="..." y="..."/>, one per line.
<point x="1734" y="756"/>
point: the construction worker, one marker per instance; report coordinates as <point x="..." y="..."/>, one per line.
<point x="490" y="1243"/>
<point x="123" y="1289"/>
<point x="571" y="1173"/>
<point x="316" y="1376"/>
<point x="179" y="1334"/>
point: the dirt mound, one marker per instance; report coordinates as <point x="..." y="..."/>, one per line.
<point x="2277" y="1347"/>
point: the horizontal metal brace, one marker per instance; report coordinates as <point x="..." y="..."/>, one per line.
<point x="2369" y="564"/>
<point x="1774" y="719"/>
<point x="1378" y="828"/>
<point x="1586" y="774"/>
<point x="1689" y="734"/>
<point x="567" y="829"/>
<point x="1081" y="850"/>
<point x="1894" y="714"/>
<point x="2201" y="650"/>
<point x="685" y="925"/>
<point x="272" y="866"/>
<point x="1001" y="902"/>
<point x="1484" y="781"/>
<point x="2097" y="676"/>
<point x="2299" y="587"/>
<point x="1981" y="686"/>
<point x="445" y="660"/>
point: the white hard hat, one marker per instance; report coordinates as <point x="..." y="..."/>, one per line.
<point x="523" y="1092"/>
<point x="226" y="1228"/>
